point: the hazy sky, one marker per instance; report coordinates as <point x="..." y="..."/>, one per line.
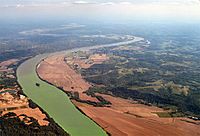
<point x="133" y="1"/>
<point x="103" y="9"/>
<point x="109" y="2"/>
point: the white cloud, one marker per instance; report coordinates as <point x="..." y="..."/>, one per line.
<point x="20" y="6"/>
<point x="125" y="3"/>
<point x="64" y="3"/>
<point x="107" y="3"/>
<point x="81" y="2"/>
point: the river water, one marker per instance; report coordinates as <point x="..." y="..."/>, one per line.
<point x="54" y="101"/>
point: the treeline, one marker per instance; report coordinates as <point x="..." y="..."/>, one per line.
<point x="11" y="125"/>
<point x="7" y="82"/>
<point x="102" y="102"/>
<point x="186" y="104"/>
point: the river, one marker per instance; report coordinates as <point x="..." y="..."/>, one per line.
<point x="54" y="101"/>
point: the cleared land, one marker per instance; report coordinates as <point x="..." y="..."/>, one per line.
<point x="29" y="112"/>
<point x="64" y="77"/>
<point x="124" y="117"/>
<point x="4" y="65"/>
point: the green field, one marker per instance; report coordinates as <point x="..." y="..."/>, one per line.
<point x="55" y="102"/>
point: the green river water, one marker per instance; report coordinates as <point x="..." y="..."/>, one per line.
<point x="55" y="102"/>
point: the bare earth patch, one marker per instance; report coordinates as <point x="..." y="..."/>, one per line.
<point x="77" y="61"/>
<point x="20" y="106"/>
<point x="4" y="65"/>
<point x="55" y="70"/>
<point x="35" y="113"/>
<point x="8" y="62"/>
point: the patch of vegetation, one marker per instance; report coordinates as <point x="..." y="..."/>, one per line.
<point x="165" y="79"/>
<point x="11" y="125"/>
<point x="192" y="122"/>
<point x="170" y="114"/>
<point x="164" y="114"/>
<point x="102" y="102"/>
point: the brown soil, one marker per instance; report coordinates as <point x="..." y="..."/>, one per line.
<point x="117" y="121"/>
<point x="98" y="58"/>
<point x="20" y="106"/>
<point x="124" y="117"/>
<point x="81" y="63"/>
<point x="8" y="62"/>
<point x="86" y="63"/>
<point x="55" y="70"/>
<point x="4" y="65"/>
<point x="8" y="100"/>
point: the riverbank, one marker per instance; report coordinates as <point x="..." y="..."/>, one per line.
<point x="122" y="117"/>
<point x="54" y="101"/>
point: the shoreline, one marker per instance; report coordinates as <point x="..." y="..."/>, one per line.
<point x="67" y="96"/>
<point x="45" y="55"/>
